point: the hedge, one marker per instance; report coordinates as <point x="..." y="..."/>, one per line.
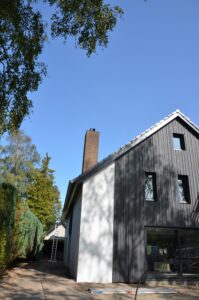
<point x="21" y="233"/>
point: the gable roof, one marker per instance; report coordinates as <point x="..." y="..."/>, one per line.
<point x="121" y="151"/>
<point x="54" y="231"/>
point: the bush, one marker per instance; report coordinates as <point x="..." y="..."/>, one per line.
<point x="7" y="221"/>
<point x="28" y="233"/>
<point x="21" y="233"/>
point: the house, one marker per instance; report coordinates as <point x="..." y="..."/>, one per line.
<point x="55" y="232"/>
<point x="138" y="208"/>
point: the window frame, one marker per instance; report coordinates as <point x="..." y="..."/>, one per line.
<point x="181" y="139"/>
<point x="154" y="186"/>
<point x="186" y="190"/>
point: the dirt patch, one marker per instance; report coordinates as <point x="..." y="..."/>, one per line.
<point x="45" y="280"/>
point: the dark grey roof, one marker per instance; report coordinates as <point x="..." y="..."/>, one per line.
<point x="138" y="139"/>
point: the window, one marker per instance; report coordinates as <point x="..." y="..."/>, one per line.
<point x="172" y="250"/>
<point x="183" y="189"/>
<point x="178" y="141"/>
<point x="150" y="187"/>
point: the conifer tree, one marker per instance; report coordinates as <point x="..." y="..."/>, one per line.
<point x="43" y="195"/>
<point x="18" y="158"/>
<point x="20" y="167"/>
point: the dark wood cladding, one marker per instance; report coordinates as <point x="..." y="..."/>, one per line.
<point x="132" y="213"/>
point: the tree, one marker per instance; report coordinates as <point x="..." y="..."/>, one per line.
<point x="43" y="195"/>
<point x="7" y="222"/>
<point x="34" y="181"/>
<point x="21" y="41"/>
<point x="22" y="37"/>
<point x="18" y="158"/>
<point x="21" y="233"/>
<point x="28" y="233"/>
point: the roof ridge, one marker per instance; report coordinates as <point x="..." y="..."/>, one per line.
<point x="122" y="150"/>
<point x="137" y="137"/>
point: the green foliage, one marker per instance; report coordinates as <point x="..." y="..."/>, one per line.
<point x="17" y="160"/>
<point x="21" y="41"/>
<point x="24" y="181"/>
<point x="21" y="233"/>
<point x="88" y="21"/>
<point x="20" y="167"/>
<point x="22" y="37"/>
<point x="28" y="233"/>
<point x="7" y="220"/>
<point x="43" y="196"/>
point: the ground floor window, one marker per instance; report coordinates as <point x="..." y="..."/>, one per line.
<point x="172" y="250"/>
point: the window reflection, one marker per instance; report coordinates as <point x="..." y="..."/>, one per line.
<point x="172" y="250"/>
<point x="150" y="186"/>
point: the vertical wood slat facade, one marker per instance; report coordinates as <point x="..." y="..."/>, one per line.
<point x="132" y="213"/>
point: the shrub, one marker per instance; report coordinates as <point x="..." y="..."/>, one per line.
<point x="21" y="233"/>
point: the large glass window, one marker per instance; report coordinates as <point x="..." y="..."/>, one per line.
<point x="186" y="258"/>
<point x="161" y="244"/>
<point x="173" y="250"/>
<point x="150" y="187"/>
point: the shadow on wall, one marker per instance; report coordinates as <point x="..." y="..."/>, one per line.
<point x="195" y="212"/>
<point x="96" y="237"/>
<point x="133" y="213"/>
<point x="115" y="202"/>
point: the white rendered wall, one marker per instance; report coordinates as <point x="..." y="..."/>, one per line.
<point x="73" y="240"/>
<point x="96" y="228"/>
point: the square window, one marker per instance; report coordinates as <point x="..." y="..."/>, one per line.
<point x="150" y="187"/>
<point x="183" y="189"/>
<point x="178" y="141"/>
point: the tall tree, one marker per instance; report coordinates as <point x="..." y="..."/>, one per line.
<point x="43" y="196"/>
<point x="18" y="158"/>
<point x="20" y="166"/>
<point x="22" y="37"/>
<point x="21" y="41"/>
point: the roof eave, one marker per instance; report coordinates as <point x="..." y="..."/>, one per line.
<point x="71" y="192"/>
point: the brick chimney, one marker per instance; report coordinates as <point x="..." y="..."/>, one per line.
<point x="91" y="144"/>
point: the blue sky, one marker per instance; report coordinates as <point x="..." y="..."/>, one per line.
<point x="150" y="68"/>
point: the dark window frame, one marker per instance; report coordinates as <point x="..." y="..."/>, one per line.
<point x="154" y="187"/>
<point x="181" y="141"/>
<point x="185" y="189"/>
